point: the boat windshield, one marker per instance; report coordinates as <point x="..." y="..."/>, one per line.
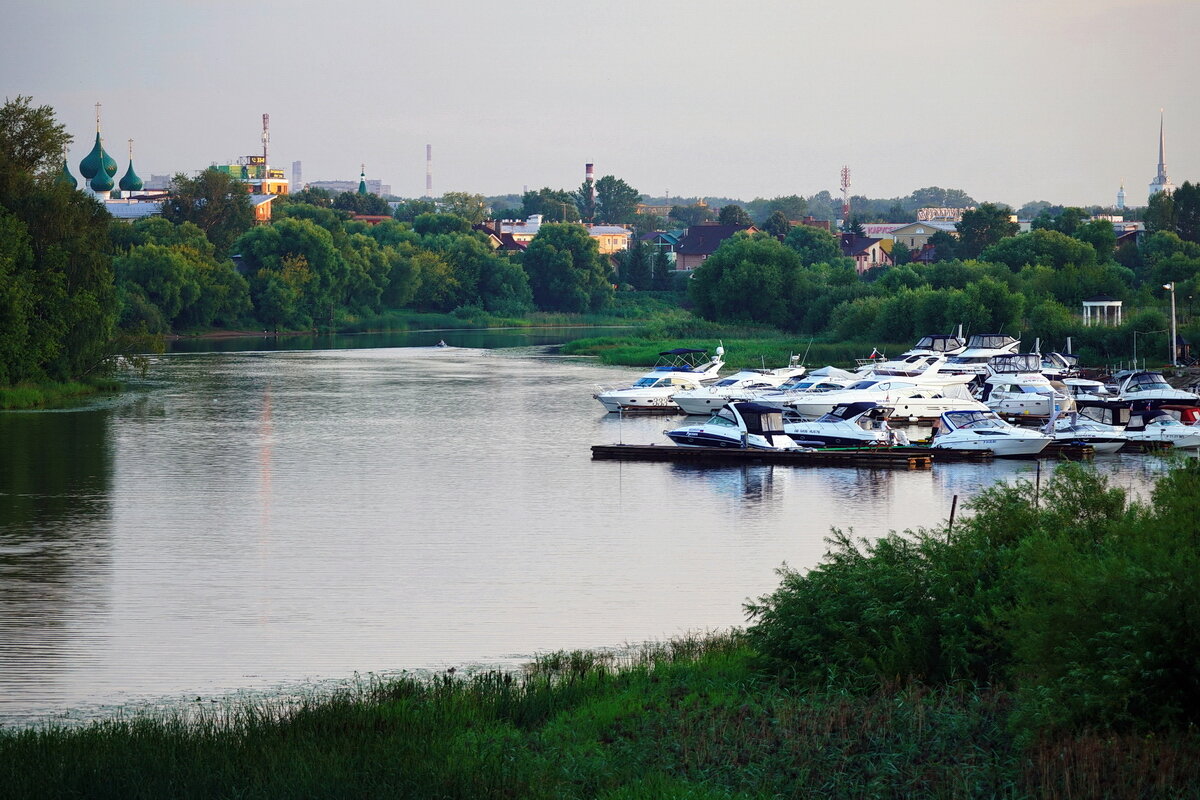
<point x="650" y="380"/>
<point x="728" y="381"/>
<point x="974" y="420"/>
<point x="1147" y="381"/>
<point x="863" y="385"/>
<point x="724" y="422"/>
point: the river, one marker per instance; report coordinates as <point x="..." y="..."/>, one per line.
<point x="264" y="519"/>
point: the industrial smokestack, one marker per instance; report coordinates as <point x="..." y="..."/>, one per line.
<point x="429" y="171"/>
<point x="589" y="175"/>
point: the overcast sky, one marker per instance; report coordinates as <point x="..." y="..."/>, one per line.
<point x="1009" y="100"/>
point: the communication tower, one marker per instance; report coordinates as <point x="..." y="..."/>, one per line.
<point x="846" y="194"/>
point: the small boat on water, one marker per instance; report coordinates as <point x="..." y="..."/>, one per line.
<point x="1146" y="386"/>
<point x="676" y="371"/>
<point x="863" y="424"/>
<point x="1016" y="386"/>
<point x="883" y="392"/>
<point x="984" y="430"/>
<point x="739" y="424"/>
<point x="742" y="385"/>
<point x="1076" y="429"/>
<point x="1156" y="425"/>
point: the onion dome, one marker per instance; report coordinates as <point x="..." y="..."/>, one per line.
<point x="65" y="178"/>
<point x="131" y="182"/>
<point x="110" y="163"/>
<point x="102" y="182"/>
<point x="93" y="162"/>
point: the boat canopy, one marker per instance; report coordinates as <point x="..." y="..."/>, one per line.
<point x="760" y="419"/>
<point x="1138" y="420"/>
<point x="681" y="351"/>
<point x="843" y="411"/>
<point x="939" y="343"/>
<point x="990" y="341"/>
<point x="1015" y="362"/>
<point x="1145" y="381"/>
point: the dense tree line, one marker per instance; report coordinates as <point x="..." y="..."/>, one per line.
<point x="57" y="295"/>
<point x="1031" y="283"/>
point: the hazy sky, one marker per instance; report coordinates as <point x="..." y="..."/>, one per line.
<point x="1009" y="100"/>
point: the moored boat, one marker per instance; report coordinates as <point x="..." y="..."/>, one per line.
<point x="740" y="424"/>
<point x="984" y="430"/>
<point x="676" y="371"/>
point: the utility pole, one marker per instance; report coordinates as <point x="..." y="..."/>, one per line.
<point x="1174" y="347"/>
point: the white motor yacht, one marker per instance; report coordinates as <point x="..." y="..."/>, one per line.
<point x="1157" y="425"/>
<point x="984" y="430"/>
<point x="1016" y="386"/>
<point x="929" y="403"/>
<point x="1085" y="390"/>
<point x="847" y="425"/>
<point x="801" y="387"/>
<point x="982" y="348"/>
<point x="884" y="392"/>
<point x="740" y="424"/>
<point x="743" y="385"/>
<point x="1143" y="385"/>
<point x="677" y="370"/>
<point x="1082" y="430"/>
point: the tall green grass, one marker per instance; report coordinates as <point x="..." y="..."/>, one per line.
<point x="692" y="718"/>
<point x="28" y="396"/>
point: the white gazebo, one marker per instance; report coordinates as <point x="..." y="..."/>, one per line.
<point x="1102" y="310"/>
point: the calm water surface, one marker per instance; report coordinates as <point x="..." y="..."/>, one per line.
<point x="250" y="520"/>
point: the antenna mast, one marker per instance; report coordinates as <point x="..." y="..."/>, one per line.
<point x="846" y="195"/>
<point x="267" y="137"/>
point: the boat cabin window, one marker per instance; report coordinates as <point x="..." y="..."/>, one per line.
<point x="975" y="420"/>
<point x="1147" y="381"/>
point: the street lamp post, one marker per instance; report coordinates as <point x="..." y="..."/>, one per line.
<point x="1174" y="348"/>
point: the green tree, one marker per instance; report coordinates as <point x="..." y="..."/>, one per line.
<point x="635" y="266"/>
<point x="901" y="254"/>
<point x="814" y="245"/>
<point x="555" y="205"/>
<point x="663" y="279"/>
<point x="945" y="246"/>
<point x="408" y="210"/>
<point x="215" y="202"/>
<point x="984" y="226"/>
<point x="427" y="224"/>
<point x="32" y="141"/>
<point x="691" y="215"/>
<point x="750" y="278"/>
<point x="1100" y="235"/>
<point x="313" y="196"/>
<point x="367" y="204"/>
<point x="616" y="201"/>
<point x="792" y="207"/>
<point x="565" y="270"/>
<point x="1186" y="202"/>
<point x="1160" y="213"/>
<point x="471" y="207"/>
<point x="1045" y="247"/>
<point x="585" y="200"/>
<point x="777" y="224"/>
<point x="733" y="214"/>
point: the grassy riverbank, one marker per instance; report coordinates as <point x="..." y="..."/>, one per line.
<point x="697" y="718"/>
<point x="1046" y="647"/>
<point x="29" y="396"/>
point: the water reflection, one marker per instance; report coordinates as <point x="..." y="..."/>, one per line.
<point x="473" y="338"/>
<point x="55" y="542"/>
<point x="257" y="518"/>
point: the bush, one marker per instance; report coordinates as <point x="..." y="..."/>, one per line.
<point x="1087" y="603"/>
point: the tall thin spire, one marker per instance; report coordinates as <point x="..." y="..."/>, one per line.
<point x="1161" y="182"/>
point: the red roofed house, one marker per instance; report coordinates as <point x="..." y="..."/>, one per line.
<point x="701" y="241"/>
<point x="866" y="252"/>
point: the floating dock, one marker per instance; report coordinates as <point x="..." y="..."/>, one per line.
<point x="881" y="458"/>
